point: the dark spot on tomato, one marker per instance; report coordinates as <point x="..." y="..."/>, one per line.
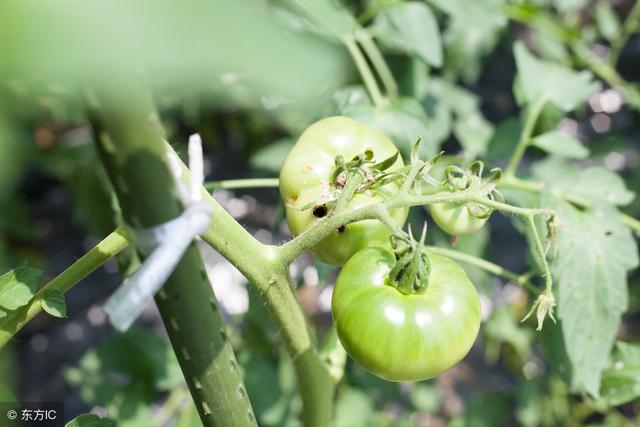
<point x="368" y="153"/>
<point x="608" y="233"/>
<point x="320" y="211"/>
<point x="341" y="229"/>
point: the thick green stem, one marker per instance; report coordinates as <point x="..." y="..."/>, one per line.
<point x="365" y="72"/>
<point x="525" y="137"/>
<point x="232" y="184"/>
<point x="101" y="253"/>
<point x="259" y="264"/>
<point x="377" y="59"/>
<point x="130" y="144"/>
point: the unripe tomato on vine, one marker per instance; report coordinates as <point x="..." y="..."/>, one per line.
<point x="459" y="218"/>
<point x="404" y="334"/>
<point x="309" y="185"/>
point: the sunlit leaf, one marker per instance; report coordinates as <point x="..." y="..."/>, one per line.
<point x="621" y="382"/>
<point x="607" y="21"/>
<point x="562" y="86"/>
<point x="18" y="286"/>
<point x="594" y="184"/>
<point x="410" y="27"/>
<point x="595" y="253"/>
<point x="53" y="303"/>
<point x="560" y="144"/>
<point x="472" y="32"/>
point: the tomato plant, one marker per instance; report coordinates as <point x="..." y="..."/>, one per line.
<point x="306" y="185"/>
<point x="404" y="336"/>
<point x="396" y="107"/>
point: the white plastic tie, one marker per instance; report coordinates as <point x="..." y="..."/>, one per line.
<point x="165" y="244"/>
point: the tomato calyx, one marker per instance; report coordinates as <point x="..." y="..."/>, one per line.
<point x="358" y="175"/>
<point x="459" y="179"/>
<point x="410" y="275"/>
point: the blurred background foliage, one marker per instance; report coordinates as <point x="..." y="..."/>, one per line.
<point x="249" y="76"/>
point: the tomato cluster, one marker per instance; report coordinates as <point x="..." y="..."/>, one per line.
<point x="396" y="334"/>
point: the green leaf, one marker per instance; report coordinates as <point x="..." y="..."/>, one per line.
<point x="472" y="33"/>
<point x="607" y="21"/>
<point x="403" y="121"/>
<point x="550" y="47"/>
<point x="17" y="287"/>
<point x="570" y="5"/>
<point x="595" y="184"/>
<point x="595" y="251"/>
<point x="425" y="398"/>
<point x="562" y="86"/>
<point x="560" y="144"/>
<point x="471" y="129"/>
<point x="353" y="408"/>
<point x="271" y="157"/>
<point x="474" y="133"/>
<point x="125" y="372"/>
<point x="91" y="420"/>
<point x="53" y="303"/>
<point x="328" y="16"/>
<point x="411" y="28"/>
<point x="621" y="382"/>
<point x="504" y="327"/>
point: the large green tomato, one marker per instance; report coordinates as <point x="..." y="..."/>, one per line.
<point x="404" y="337"/>
<point x="456" y="219"/>
<point x="305" y="179"/>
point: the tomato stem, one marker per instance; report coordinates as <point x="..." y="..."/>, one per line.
<point x="365" y="72"/>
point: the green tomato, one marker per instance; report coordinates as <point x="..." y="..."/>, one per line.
<point x="305" y="179"/>
<point x="398" y="336"/>
<point x="455" y="219"/>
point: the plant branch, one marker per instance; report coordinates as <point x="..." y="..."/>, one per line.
<point x="112" y="245"/>
<point x="520" y="279"/>
<point x="630" y="26"/>
<point x="539" y="251"/>
<point x="377" y="59"/>
<point x="525" y="137"/>
<point x="365" y="72"/>
<point x="232" y="184"/>
<point x="324" y="227"/>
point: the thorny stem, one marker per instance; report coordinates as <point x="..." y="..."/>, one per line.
<point x="525" y="137"/>
<point x="365" y="72"/>
<point x="377" y="59"/>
